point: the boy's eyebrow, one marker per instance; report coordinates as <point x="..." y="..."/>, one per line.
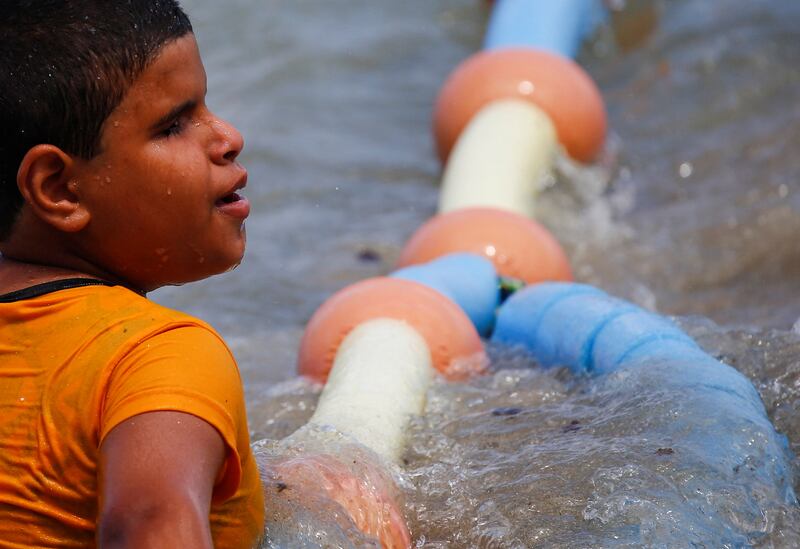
<point x="175" y="113"/>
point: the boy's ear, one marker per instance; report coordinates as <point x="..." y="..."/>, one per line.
<point x="45" y="180"/>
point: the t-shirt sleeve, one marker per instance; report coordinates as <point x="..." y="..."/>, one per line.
<point x="185" y="369"/>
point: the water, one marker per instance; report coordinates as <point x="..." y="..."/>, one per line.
<point x="693" y="211"/>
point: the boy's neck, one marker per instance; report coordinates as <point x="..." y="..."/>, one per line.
<point x="34" y="254"/>
<point x="17" y="275"/>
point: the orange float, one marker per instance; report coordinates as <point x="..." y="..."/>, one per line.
<point x="364" y="491"/>
<point x="554" y="83"/>
<point x="518" y="247"/>
<point x="455" y="346"/>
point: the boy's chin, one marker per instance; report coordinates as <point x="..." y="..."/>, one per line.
<point x="222" y="263"/>
<point x="200" y="272"/>
<point x="219" y="268"/>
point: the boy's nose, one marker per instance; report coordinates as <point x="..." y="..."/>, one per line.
<point x="228" y="141"/>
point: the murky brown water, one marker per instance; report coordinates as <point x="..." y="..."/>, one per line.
<point x="693" y="212"/>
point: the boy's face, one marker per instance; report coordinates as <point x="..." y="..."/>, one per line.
<point x="162" y="192"/>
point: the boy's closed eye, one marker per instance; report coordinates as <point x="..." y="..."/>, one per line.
<point x="174" y="121"/>
<point x="174" y="128"/>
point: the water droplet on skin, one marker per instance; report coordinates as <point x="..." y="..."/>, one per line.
<point x="232" y="267"/>
<point x="201" y="259"/>
<point x="161" y="251"/>
<point x="169" y="192"/>
<point x="685" y="170"/>
<point x="108" y="179"/>
<point x="116" y="123"/>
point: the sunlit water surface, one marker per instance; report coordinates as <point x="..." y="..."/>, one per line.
<point x="694" y="211"/>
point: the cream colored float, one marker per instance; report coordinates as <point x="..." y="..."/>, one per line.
<point x="501" y="159"/>
<point x="379" y="380"/>
<point x="378" y="343"/>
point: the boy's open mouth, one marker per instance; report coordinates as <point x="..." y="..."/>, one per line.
<point x="229" y="199"/>
<point x="234" y="205"/>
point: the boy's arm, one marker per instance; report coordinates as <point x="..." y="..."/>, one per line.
<point x="157" y="474"/>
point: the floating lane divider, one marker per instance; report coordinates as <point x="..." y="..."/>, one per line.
<point x="378" y="343"/>
<point x="499" y="120"/>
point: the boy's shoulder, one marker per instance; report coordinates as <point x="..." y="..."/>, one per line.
<point x="120" y="301"/>
<point x="135" y="318"/>
<point x="85" y="312"/>
<point x="113" y="301"/>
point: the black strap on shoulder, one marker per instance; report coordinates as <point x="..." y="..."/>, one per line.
<point x="49" y="287"/>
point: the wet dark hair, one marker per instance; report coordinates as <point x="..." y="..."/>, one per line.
<point x="64" y="66"/>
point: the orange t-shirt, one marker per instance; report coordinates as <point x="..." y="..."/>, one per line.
<point x="76" y="362"/>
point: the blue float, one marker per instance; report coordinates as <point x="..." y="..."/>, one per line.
<point x="585" y="329"/>
<point x="469" y="280"/>
<point x="554" y="25"/>
<point x="582" y="327"/>
<point x="630" y="351"/>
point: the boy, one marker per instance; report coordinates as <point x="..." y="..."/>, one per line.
<point x="122" y="423"/>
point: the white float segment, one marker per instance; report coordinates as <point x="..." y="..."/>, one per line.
<point x="379" y="379"/>
<point x="501" y="159"/>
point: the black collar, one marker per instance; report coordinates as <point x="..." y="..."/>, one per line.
<point x="49" y="287"/>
